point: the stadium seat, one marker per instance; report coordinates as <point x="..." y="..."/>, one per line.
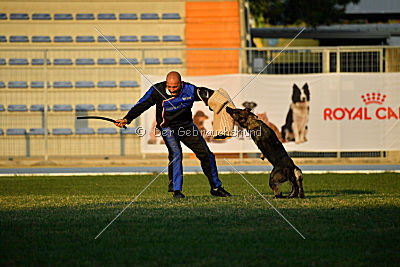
<point x="171" y="60"/>
<point x="16" y="131"/>
<point x="17" y="61"/>
<point x="62" y="107"/>
<point x="41" y="16"/>
<point x="62" y="131"/>
<point x="19" y="107"/>
<point x="107" y="107"/>
<point x="62" y="84"/>
<point x="81" y="131"/>
<point x="147" y="16"/>
<point x="38" y="107"/>
<point x="171" y="38"/>
<point x="39" y="84"/>
<point x="3" y="39"/>
<point x="110" y="38"/>
<point x="123" y="61"/>
<point x="37" y="131"/>
<point x="128" y="16"/>
<point x="106" y="61"/>
<point x="151" y="61"/>
<point x="41" y="39"/>
<point x="84" y="84"/>
<point x="63" y="39"/>
<point x="2" y="61"/>
<point x="23" y="16"/>
<point x="108" y="16"/>
<point x="39" y="61"/>
<point x="84" y="16"/>
<point x="107" y="130"/>
<point x="17" y="84"/>
<point x="130" y="130"/>
<point x="171" y="16"/>
<point x="124" y="84"/>
<point x="2" y="107"/>
<point x="84" y="39"/>
<point x="1" y="131"/>
<point x="19" y="39"/>
<point x="107" y="84"/>
<point x="63" y="17"/>
<point x="84" y="61"/>
<point x="62" y="61"/>
<point x="128" y="38"/>
<point x="3" y="16"/>
<point x="125" y="107"/>
<point x="2" y="85"/>
<point x="150" y="38"/>
<point x="84" y="107"/>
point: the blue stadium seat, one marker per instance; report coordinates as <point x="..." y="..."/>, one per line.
<point x="62" y="107"/>
<point x="17" y="61"/>
<point x="84" y="39"/>
<point x="84" y="84"/>
<point x="19" y="107"/>
<point x="37" y="131"/>
<point x="150" y="38"/>
<point x="2" y="85"/>
<point x="2" y="107"/>
<point x="125" y="107"/>
<point x="3" y="16"/>
<point x="124" y="84"/>
<point x="81" y="131"/>
<point x="2" y="61"/>
<point x="3" y="39"/>
<point x="38" y="107"/>
<point x="130" y="130"/>
<point x="41" y="39"/>
<point x="39" y="61"/>
<point x="62" y="131"/>
<point x="62" y="84"/>
<point x="171" y="38"/>
<point x="84" y="107"/>
<point x="128" y="38"/>
<point x="62" y="61"/>
<point x="63" y="16"/>
<point x="151" y="61"/>
<point x="147" y="16"/>
<point x="19" y="16"/>
<point x="123" y="61"/>
<point x="63" y="39"/>
<point x="84" y="16"/>
<point x="171" y="60"/>
<point x="19" y="39"/>
<point x="41" y="16"/>
<point x="16" y="131"/>
<point x="109" y="16"/>
<point x="107" y="131"/>
<point x="39" y="84"/>
<point x="107" y="107"/>
<point x="17" y="84"/>
<point x="128" y="16"/>
<point x="110" y="38"/>
<point x="107" y="84"/>
<point x="171" y="16"/>
<point x="84" y="61"/>
<point x="1" y="131"/>
<point x="106" y="61"/>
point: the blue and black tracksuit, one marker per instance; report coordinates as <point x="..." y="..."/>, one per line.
<point x="175" y="121"/>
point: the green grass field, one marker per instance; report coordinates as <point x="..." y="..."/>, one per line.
<point x="347" y="219"/>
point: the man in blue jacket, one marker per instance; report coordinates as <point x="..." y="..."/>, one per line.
<point x="174" y="100"/>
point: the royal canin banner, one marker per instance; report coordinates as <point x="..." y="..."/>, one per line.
<point x="345" y="112"/>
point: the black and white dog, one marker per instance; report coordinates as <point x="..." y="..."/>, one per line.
<point x="295" y="128"/>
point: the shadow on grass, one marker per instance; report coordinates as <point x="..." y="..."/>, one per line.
<point x="335" y="193"/>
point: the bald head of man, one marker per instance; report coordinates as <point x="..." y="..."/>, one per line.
<point x="174" y="83"/>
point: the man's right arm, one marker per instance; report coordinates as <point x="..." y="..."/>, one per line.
<point x="141" y="106"/>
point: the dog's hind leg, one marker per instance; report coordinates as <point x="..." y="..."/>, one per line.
<point x="294" y="192"/>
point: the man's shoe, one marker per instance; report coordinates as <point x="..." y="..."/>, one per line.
<point x="178" y="194"/>
<point x="220" y="192"/>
